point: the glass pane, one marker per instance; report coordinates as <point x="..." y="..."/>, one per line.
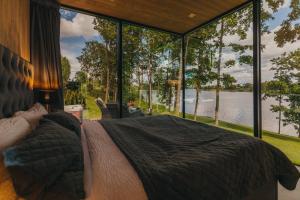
<point x="219" y="73"/>
<point x="281" y="76"/>
<point x="88" y="48"/>
<point x="151" y="72"/>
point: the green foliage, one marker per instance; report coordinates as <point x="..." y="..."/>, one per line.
<point x="230" y="63"/>
<point x="73" y="85"/>
<point x="286" y="83"/>
<point x="98" y="60"/>
<point x="292" y="113"/>
<point x="81" y="77"/>
<point x="66" y="69"/>
<point x="72" y="97"/>
<point x="228" y="81"/>
<point x="289" y="32"/>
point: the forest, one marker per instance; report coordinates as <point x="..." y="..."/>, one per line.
<point x="152" y="71"/>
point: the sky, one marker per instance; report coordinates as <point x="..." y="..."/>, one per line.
<point x="77" y="28"/>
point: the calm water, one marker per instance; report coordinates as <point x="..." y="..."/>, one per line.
<point x="235" y="107"/>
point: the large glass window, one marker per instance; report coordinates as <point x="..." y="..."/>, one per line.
<point x="152" y="72"/>
<point x="219" y="73"/>
<point x="281" y="76"/>
<point x="88" y="48"/>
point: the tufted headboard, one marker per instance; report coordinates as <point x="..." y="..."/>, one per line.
<point x="16" y="83"/>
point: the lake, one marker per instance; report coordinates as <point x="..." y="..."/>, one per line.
<point x="235" y="107"/>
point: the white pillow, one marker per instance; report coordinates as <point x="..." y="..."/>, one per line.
<point x="33" y="115"/>
<point x="37" y="107"/>
<point x="12" y="130"/>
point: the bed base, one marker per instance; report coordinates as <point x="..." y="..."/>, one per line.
<point x="267" y="192"/>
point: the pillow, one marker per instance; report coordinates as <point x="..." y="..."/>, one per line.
<point x="7" y="190"/>
<point x="33" y="115"/>
<point x="37" y="107"/>
<point x="12" y="130"/>
<point x="66" y="120"/>
<point x="47" y="164"/>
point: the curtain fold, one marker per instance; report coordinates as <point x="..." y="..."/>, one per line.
<point x="45" y="47"/>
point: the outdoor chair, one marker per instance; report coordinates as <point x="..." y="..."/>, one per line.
<point x="112" y="110"/>
<point x="102" y="106"/>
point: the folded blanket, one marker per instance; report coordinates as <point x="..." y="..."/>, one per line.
<point x="48" y="164"/>
<point x="180" y="159"/>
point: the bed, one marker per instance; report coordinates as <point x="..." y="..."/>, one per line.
<point x="139" y="158"/>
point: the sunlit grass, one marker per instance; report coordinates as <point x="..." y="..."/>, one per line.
<point x="287" y="144"/>
<point x="91" y="111"/>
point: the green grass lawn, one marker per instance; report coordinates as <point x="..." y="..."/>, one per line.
<point x="91" y="111"/>
<point x="287" y="144"/>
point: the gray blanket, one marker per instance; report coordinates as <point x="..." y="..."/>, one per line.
<point x="179" y="159"/>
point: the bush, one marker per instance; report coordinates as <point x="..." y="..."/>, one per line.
<point x="74" y="97"/>
<point x="89" y="87"/>
<point x="95" y="93"/>
<point x="73" y="85"/>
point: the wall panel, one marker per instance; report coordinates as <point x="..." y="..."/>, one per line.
<point x="15" y="26"/>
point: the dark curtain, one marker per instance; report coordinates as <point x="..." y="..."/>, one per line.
<point x="45" y="48"/>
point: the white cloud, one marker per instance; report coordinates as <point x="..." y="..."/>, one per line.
<point x="81" y="25"/>
<point x="66" y="50"/>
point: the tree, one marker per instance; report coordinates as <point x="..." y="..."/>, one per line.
<point x="175" y="55"/>
<point x="108" y="30"/>
<point x="228" y="81"/>
<point x="238" y="24"/>
<point x="199" y="57"/>
<point x="277" y="89"/>
<point x="81" y="77"/>
<point x="66" y="69"/>
<point x="289" y="32"/>
<point x="292" y="111"/>
<point x="286" y="84"/>
<point x="154" y="45"/>
<point x="133" y="64"/>
<point x="98" y="58"/>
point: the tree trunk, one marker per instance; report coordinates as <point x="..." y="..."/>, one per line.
<point x="169" y="97"/>
<point x="116" y="94"/>
<point x="197" y="102"/>
<point x="279" y="116"/>
<point x="150" y="86"/>
<point x="106" y="97"/>
<point x="157" y="93"/>
<point x="219" y="74"/>
<point x="139" y="87"/>
<point x="178" y="92"/>
<point x="107" y="86"/>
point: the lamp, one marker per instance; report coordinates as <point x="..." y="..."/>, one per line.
<point x="46" y="98"/>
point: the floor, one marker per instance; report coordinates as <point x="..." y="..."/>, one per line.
<point x="284" y="194"/>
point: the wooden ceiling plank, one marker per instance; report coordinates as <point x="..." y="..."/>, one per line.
<point x="170" y="15"/>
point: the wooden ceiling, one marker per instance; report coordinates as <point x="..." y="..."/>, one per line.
<point x="177" y="16"/>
